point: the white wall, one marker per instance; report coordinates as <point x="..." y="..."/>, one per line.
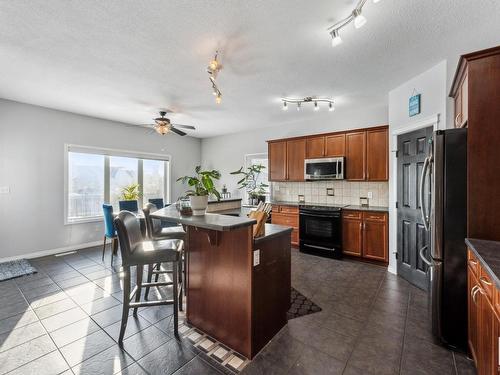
<point x="31" y="164"/>
<point x="226" y="153"/>
<point x="432" y="85"/>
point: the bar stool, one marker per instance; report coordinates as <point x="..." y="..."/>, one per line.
<point x="137" y="252"/>
<point x="156" y="232"/>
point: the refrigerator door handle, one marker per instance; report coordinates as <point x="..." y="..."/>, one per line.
<point x="422" y="256"/>
<point x="425" y="218"/>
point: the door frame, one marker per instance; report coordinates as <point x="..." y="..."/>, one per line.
<point x="393" y="181"/>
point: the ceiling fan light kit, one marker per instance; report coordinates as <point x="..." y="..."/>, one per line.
<point x="163" y="126"/>
<point x="356" y="16"/>
<point x="214" y="67"/>
<point x="308" y="99"/>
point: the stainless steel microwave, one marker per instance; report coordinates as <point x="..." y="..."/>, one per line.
<point x="324" y="169"/>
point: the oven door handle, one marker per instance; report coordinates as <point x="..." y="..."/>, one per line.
<point x="320" y="215"/>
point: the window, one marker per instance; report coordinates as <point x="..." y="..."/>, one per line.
<point x="259" y="159"/>
<point x="94" y="176"/>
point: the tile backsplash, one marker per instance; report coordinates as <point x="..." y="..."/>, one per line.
<point x="345" y="192"/>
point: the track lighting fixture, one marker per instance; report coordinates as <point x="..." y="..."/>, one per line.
<point x="213" y="69"/>
<point x="359" y="19"/>
<point x="331" y="108"/>
<point x="336" y="39"/>
<point x="356" y="16"/>
<point x="308" y="99"/>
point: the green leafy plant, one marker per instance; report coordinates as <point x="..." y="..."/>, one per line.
<point x="202" y="183"/>
<point x="131" y="192"/>
<point x="249" y="180"/>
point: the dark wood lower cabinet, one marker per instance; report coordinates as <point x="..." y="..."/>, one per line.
<point x="365" y="235"/>
<point x="483" y="320"/>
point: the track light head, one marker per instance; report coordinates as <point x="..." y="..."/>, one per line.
<point x="331" y="108"/>
<point x="316" y="108"/>
<point x="359" y="19"/>
<point x="298" y="106"/>
<point x="218" y="99"/>
<point x="285" y="106"/>
<point x="336" y="39"/>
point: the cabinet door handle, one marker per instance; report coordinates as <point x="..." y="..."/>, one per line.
<point x="475" y="293"/>
<point x="456" y="119"/>
<point x="484" y="281"/>
<point x="473" y="262"/>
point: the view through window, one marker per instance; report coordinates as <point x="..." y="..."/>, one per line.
<point x="95" y="177"/>
<point x="259" y="159"/>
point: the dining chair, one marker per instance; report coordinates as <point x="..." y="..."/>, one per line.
<point x="154" y="232"/>
<point x="109" y="231"/>
<point x="158" y="202"/>
<point x="131" y="206"/>
<point x="137" y="252"/>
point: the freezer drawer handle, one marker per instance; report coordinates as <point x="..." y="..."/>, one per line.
<point x="422" y="256"/>
<point x="473" y="293"/>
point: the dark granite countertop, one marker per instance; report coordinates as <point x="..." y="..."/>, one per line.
<point x="366" y="208"/>
<point x="212" y="221"/>
<point x="344" y="207"/>
<point x="488" y="254"/>
<point x="224" y="200"/>
<point x="273" y="230"/>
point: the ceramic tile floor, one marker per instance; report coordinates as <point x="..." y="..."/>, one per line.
<point x="65" y="319"/>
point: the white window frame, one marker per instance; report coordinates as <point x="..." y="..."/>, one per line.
<point x="258" y="155"/>
<point x="107" y="152"/>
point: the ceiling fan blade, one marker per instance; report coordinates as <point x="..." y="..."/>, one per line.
<point x="185" y="126"/>
<point x="177" y="131"/>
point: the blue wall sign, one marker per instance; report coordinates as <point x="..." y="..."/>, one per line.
<point x="414" y="105"/>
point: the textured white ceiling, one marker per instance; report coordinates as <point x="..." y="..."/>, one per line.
<point x="123" y="60"/>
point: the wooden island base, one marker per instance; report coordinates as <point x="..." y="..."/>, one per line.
<point x="238" y="303"/>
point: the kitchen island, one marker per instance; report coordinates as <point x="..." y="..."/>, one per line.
<point x="238" y="287"/>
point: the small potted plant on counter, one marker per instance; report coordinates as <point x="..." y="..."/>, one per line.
<point x="256" y="190"/>
<point x="202" y="185"/>
<point x="129" y="197"/>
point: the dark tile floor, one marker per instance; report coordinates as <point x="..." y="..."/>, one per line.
<point x="65" y="319"/>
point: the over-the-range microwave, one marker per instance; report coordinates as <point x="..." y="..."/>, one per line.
<point x="324" y="169"/>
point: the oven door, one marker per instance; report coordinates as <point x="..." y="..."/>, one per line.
<point x="320" y="230"/>
<point x="324" y="169"/>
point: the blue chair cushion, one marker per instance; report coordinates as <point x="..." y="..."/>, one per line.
<point x="131" y="206"/>
<point x="109" y="227"/>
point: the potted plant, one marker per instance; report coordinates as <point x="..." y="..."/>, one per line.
<point x="130" y="193"/>
<point x="202" y="185"/>
<point x="256" y="191"/>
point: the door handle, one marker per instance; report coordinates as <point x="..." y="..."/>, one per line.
<point x="424" y="259"/>
<point x="421" y="188"/>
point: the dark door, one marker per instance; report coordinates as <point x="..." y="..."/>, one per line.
<point x="413" y="148"/>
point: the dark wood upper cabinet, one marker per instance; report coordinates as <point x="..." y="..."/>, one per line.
<point x="315" y="147"/>
<point x="277" y="161"/>
<point x="355" y="147"/>
<point x="296" y="153"/>
<point x="377" y="155"/>
<point x="366" y="152"/>
<point x="476" y="92"/>
<point x="335" y="145"/>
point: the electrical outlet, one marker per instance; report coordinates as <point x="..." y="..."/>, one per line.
<point x="256" y="258"/>
<point x="4" y="190"/>
<point x="370" y="195"/>
<point x="330" y="192"/>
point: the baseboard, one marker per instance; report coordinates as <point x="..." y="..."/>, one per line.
<point x="59" y="250"/>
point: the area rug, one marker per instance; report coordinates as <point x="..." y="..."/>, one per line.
<point x="15" y="268"/>
<point x="301" y="305"/>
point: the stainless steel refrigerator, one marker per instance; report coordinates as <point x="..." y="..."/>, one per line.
<point x="443" y="189"/>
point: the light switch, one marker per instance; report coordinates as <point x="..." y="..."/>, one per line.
<point x="370" y="195"/>
<point x="4" y="190"/>
<point x="256" y="258"/>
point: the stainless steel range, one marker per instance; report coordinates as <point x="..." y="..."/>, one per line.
<point x="321" y="230"/>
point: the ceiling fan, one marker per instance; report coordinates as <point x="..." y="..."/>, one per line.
<point x="163" y="125"/>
